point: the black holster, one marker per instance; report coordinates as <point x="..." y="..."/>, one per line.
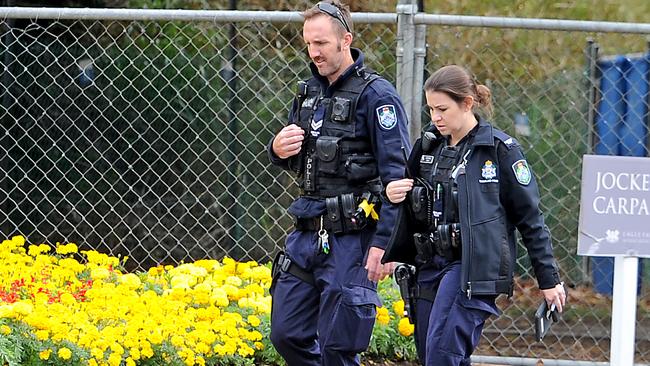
<point x="448" y="243"/>
<point x="445" y="241"/>
<point x="405" y="276"/>
<point x="282" y="263"/>
<point x="424" y="245"/>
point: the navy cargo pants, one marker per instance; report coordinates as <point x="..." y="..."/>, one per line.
<point x="448" y="330"/>
<point x="330" y="323"/>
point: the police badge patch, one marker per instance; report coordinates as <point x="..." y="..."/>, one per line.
<point x="522" y="171"/>
<point x="387" y="116"/>
<point x="489" y="172"/>
<point x="309" y="102"/>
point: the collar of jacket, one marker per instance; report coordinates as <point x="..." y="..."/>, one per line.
<point x="358" y="58"/>
<point x="485" y="134"/>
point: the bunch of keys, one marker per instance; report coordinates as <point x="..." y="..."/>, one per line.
<point x="323" y="238"/>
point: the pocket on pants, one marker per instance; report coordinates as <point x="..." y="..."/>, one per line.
<point x="464" y="324"/>
<point x="353" y="320"/>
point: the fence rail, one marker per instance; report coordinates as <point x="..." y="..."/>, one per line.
<point x="143" y="133"/>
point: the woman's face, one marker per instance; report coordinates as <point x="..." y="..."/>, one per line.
<point x="449" y="117"/>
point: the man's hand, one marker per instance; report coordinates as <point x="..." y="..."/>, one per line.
<point x="288" y="141"/>
<point x="376" y="270"/>
<point x="555" y="295"/>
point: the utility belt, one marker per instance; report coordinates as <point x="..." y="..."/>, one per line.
<point x="346" y="213"/>
<point x="445" y="241"/>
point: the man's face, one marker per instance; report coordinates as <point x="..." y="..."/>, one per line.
<point x="324" y="45"/>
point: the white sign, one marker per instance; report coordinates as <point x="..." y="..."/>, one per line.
<point x="615" y="206"/>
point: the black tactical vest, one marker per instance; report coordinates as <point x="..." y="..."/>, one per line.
<point x="436" y="166"/>
<point x="337" y="161"/>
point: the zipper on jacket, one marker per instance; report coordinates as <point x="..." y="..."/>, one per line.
<point x="468" y="260"/>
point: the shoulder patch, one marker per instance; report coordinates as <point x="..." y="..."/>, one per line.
<point x="387" y="116"/>
<point x="522" y="172"/>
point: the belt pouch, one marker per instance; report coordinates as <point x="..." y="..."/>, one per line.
<point x="327" y="149"/>
<point x="334" y="214"/>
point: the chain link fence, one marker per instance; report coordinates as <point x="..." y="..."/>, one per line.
<point x="145" y="137"/>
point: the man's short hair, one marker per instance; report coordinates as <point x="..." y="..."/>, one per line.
<point x="340" y="15"/>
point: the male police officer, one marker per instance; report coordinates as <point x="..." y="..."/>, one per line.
<point x="346" y="129"/>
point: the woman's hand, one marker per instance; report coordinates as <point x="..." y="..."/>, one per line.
<point x="396" y="190"/>
<point x="555" y="295"/>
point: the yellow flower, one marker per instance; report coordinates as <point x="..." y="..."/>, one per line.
<point x="97" y="353"/>
<point x="35" y="250"/>
<point x="134" y="354"/>
<point x="18" y="241"/>
<point x="253" y="320"/>
<point x="383" y="317"/>
<point x="67" y="299"/>
<point x="42" y="335"/>
<point x="405" y="327"/>
<point x="234" y="281"/>
<point x="45" y="355"/>
<point x="114" y="359"/>
<point x="64" y="353"/>
<point x="113" y="320"/>
<point x="99" y="273"/>
<point x="398" y="307"/>
<point x="23" y="308"/>
<point x="66" y="249"/>
<point x="156" y="271"/>
<point x="131" y="281"/>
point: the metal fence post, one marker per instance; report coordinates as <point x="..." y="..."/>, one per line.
<point x="406" y="35"/>
<point x="419" y="52"/>
<point x="591" y="53"/>
<point x="5" y="103"/>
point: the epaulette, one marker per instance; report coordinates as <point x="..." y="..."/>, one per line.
<point x="507" y="140"/>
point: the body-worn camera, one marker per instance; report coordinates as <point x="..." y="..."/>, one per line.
<point x="422" y="204"/>
<point x="340" y="109"/>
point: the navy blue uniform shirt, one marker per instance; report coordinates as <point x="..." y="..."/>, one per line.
<point x="386" y="141"/>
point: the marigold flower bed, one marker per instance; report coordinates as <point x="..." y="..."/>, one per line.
<point x="62" y="307"/>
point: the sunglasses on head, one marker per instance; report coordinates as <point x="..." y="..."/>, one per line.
<point x="334" y="12"/>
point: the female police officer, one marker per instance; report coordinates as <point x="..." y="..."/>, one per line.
<point x="471" y="187"/>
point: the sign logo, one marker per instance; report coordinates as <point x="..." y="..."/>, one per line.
<point x="612" y="236"/>
<point x="387" y="116"/>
